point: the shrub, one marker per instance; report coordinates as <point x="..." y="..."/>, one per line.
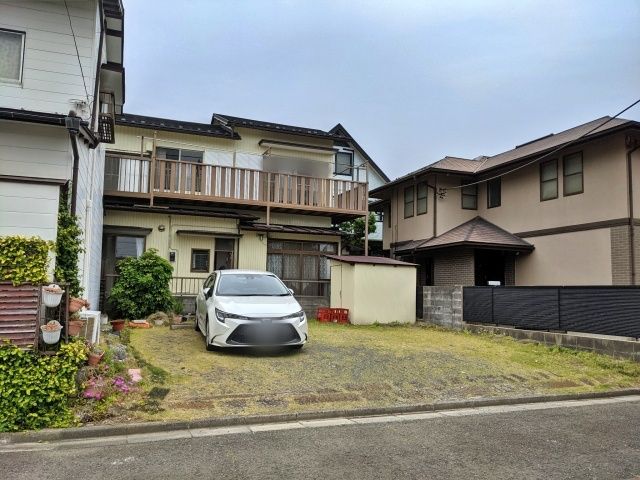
<point x="142" y="287"/>
<point x="35" y="390"/>
<point x="68" y="247"/>
<point x="24" y="259"/>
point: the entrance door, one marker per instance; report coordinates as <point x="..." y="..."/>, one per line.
<point x="489" y="267"/>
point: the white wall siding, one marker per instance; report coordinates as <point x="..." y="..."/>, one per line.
<point x="29" y="209"/>
<point x="52" y="79"/>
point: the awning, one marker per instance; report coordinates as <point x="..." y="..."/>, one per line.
<point x="476" y="233"/>
<point x="208" y="233"/>
<point x="263" y="227"/>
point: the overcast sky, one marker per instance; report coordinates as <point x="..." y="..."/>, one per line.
<point x="412" y="81"/>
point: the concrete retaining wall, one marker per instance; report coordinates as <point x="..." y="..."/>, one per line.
<point x="443" y="306"/>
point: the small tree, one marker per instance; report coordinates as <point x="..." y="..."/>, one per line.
<point x="355" y="231"/>
<point x="142" y="287"/>
<point x="68" y="247"/>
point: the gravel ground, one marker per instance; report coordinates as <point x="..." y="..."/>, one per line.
<point x="345" y="366"/>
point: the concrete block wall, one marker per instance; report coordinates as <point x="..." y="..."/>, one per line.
<point x="456" y="267"/>
<point x="443" y="306"/>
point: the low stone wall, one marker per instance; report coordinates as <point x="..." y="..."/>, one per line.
<point x="614" y="346"/>
<point x="443" y="306"/>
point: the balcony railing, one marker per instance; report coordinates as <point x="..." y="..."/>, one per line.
<point x="142" y="177"/>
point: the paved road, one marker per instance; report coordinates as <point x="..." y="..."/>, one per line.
<point x="600" y="441"/>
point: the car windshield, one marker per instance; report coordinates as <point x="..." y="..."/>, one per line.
<point x="251" y="285"/>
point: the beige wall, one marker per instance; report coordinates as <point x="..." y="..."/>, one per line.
<point x="253" y="251"/>
<point x="578" y="258"/>
<point x="374" y="293"/>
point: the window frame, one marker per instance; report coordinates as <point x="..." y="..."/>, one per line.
<point x="191" y="263"/>
<point x="565" y="176"/>
<point x="351" y="164"/>
<point x="412" y="201"/>
<point x="23" y="36"/>
<point x="556" y="179"/>
<point x="474" y="195"/>
<point x="494" y="181"/>
<point x="425" y="198"/>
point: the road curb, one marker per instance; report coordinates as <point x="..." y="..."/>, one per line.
<point x="48" y="435"/>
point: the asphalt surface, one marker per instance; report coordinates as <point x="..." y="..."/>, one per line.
<point x="583" y="442"/>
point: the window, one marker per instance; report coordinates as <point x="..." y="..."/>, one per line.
<point x="572" y="174"/>
<point x="199" y="260"/>
<point x="129" y="247"/>
<point x="344" y="163"/>
<point x="223" y="258"/>
<point x="421" y="200"/>
<point x="11" y="55"/>
<point x="549" y="180"/>
<point x="470" y="197"/>
<point x="179" y="154"/>
<point x="408" y="202"/>
<point x="494" y="193"/>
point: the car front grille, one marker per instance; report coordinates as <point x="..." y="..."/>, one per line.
<point x="260" y="334"/>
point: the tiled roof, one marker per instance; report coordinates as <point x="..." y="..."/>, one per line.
<point x="476" y="232"/>
<point x="263" y="227"/>
<point x="143" y="121"/>
<point x="361" y="259"/>
<point x="275" y="127"/>
<point x="464" y="166"/>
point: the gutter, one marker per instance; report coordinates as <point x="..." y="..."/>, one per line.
<point x="632" y="253"/>
<point x="72" y="122"/>
<point x="96" y="92"/>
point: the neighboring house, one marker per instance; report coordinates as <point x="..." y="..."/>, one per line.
<point x="236" y="193"/>
<point x="566" y="219"/>
<point x="56" y="106"/>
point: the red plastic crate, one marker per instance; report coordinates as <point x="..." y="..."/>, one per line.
<point x="324" y="314"/>
<point x="340" y="315"/>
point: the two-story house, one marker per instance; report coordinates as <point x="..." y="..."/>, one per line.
<point x="235" y="193"/>
<point x="61" y="81"/>
<point x="559" y="210"/>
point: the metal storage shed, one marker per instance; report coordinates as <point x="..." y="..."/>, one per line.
<point x="374" y="289"/>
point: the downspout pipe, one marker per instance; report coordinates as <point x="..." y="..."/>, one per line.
<point x="632" y="253"/>
<point x="72" y="122"/>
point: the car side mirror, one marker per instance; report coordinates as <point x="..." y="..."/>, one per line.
<point x="206" y="292"/>
<point x="290" y="290"/>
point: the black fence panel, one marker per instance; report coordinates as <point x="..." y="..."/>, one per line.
<point x="526" y="307"/>
<point x="608" y="311"/>
<point x="477" y="304"/>
<point x="601" y="310"/>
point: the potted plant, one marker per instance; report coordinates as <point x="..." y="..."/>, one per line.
<point x="75" y="304"/>
<point x="75" y="324"/>
<point x="51" y="332"/>
<point x="95" y="355"/>
<point x="51" y="295"/>
<point x="117" y="325"/>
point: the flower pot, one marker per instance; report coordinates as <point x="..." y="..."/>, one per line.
<point x="117" y="325"/>
<point x="50" y="336"/>
<point x="94" y="358"/>
<point x="52" y="295"/>
<point x="75" y="326"/>
<point x="75" y="304"/>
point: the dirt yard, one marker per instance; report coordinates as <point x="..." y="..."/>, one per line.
<point x="345" y="366"/>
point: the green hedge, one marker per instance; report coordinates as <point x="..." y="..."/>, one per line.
<point x="24" y="259"/>
<point x="35" y="390"/>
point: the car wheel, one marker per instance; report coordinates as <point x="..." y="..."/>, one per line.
<point x="197" y="327"/>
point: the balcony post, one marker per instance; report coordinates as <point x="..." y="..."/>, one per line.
<point x="268" y="198"/>
<point x="152" y="169"/>
<point x="366" y="218"/>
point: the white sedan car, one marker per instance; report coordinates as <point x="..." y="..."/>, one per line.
<point x="244" y="308"/>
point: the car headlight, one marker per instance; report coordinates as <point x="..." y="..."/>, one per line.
<point x="298" y="315"/>
<point x="222" y="316"/>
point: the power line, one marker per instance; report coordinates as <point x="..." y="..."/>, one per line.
<point x="553" y="152"/>
<point x="73" y="34"/>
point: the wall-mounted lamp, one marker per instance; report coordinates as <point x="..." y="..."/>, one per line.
<point x="161" y="228"/>
<point x="261" y="236"/>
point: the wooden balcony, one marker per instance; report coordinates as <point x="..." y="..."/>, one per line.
<point x="140" y="177"/>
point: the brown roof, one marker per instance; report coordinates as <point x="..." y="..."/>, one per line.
<point x="370" y="260"/>
<point x="263" y="227"/>
<point x="463" y="166"/>
<point x="476" y="232"/>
